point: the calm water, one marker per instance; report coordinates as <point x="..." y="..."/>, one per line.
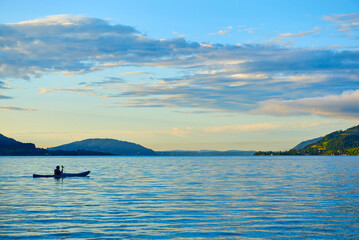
<point x="181" y="198"/>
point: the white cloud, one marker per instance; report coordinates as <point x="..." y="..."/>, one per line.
<point x="249" y="76"/>
<point x="266" y="126"/>
<point x="243" y="128"/>
<point x="181" y="132"/>
<point x="345" y="22"/>
<point x="300" y="34"/>
<point x="136" y="73"/>
<point x="213" y="77"/>
<point x="351" y="17"/>
<point x="344" y="106"/>
<point x="7" y="108"/>
<point x="5" y="85"/>
<point x="82" y="89"/>
<point x="76" y="44"/>
<point x="242" y="28"/>
<point x="220" y="32"/>
<point x="178" y="34"/>
<point x="63" y="19"/>
<point x="249" y="30"/>
<point x="4" y="97"/>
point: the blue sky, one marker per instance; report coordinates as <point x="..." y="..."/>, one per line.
<point x="246" y="75"/>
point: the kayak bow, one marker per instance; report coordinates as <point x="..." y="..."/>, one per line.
<point x="63" y="175"/>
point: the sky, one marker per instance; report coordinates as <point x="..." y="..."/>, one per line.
<point x="179" y="75"/>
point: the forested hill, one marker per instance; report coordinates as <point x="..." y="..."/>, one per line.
<point x="336" y="143"/>
<point x="105" y="145"/>
<point x="306" y="143"/>
<point x="9" y="146"/>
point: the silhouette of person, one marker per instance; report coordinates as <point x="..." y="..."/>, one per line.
<point x="57" y="170"/>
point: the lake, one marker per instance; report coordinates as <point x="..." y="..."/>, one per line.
<point x="268" y="197"/>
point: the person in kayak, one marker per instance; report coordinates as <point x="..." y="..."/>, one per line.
<point x="57" y="170"/>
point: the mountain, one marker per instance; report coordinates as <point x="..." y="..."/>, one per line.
<point x="89" y="147"/>
<point x="306" y="143"/>
<point x="337" y="143"/>
<point x="110" y="146"/>
<point x="11" y="147"/>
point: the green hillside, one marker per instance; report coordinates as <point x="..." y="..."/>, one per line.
<point x="336" y="143"/>
<point x="306" y="143"/>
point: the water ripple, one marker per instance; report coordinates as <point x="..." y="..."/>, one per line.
<point x="181" y="198"/>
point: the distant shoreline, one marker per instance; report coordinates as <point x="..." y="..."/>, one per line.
<point x="336" y="143"/>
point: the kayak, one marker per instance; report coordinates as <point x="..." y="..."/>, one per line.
<point x="63" y="175"/>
